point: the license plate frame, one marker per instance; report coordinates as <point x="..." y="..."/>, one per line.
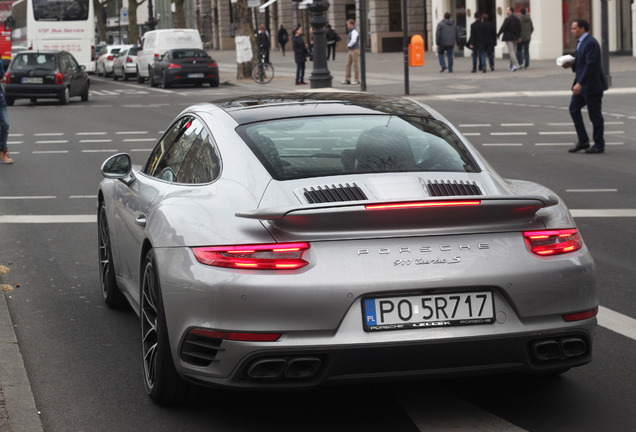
<point x="32" y="80"/>
<point x="195" y="75"/>
<point x="428" y="310"/>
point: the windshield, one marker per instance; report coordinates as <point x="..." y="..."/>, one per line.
<point x="336" y="145"/>
<point x="60" y="10"/>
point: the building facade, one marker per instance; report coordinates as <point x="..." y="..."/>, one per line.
<point x="384" y="22"/>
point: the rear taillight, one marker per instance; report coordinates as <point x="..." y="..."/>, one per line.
<point x="93" y="53"/>
<point x="581" y="315"/>
<point x="212" y="65"/>
<point x="110" y="58"/>
<point x="59" y="78"/>
<point x="278" y="256"/>
<point x="7" y="78"/>
<point x="553" y="242"/>
<point x="157" y="56"/>
<point x="174" y="66"/>
<point x="129" y="60"/>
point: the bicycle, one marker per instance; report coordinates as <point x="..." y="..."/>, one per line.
<point x="262" y="72"/>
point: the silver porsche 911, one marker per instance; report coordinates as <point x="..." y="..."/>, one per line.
<point x="294" y="240"/>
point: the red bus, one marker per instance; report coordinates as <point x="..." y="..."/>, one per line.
<point x="5" y="35"/>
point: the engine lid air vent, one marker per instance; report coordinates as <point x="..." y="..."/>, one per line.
<point x="455" y="188"/>
<point x="333" y="193"/>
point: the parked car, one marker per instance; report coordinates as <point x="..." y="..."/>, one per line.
<point x="154" y="43"/>
<point x="184" y="66"/>
<point x="45" y="75"/>
<point x="291" y="240"/>
<point x="104" y="63"/>
<point x="125" y="63"/>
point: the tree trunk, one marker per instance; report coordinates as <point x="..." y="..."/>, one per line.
<point x="245" y="40"/>
<point x="133" y="32"/>
<point x="101" y="27"/>
<point x="179" y="16"/>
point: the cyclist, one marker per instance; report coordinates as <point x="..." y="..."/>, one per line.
<point x="263" y="43"/>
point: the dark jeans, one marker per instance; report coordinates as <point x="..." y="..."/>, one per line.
<point x="594" y="109"/>
<point x="449" y="54"/>
<point x="481" y="55"/>
<point x="331" y="49"/>
<point x="300" y="72"/>
<point x="523" y="53"/>
<point x="490" y="53"/>
<point x="4" y="127"/>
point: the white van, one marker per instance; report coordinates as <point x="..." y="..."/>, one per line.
<point x="156" y="42"/>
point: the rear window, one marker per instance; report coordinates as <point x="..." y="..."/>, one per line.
<point x="336" y="145"/>
<point x="189" y="53"/>
<point x="28" y="61"/>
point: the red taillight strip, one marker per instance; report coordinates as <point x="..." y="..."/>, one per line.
<point x="553" y="242"/>
<point x="234" y="336"/>
<point x="581" y="315"/>
<point x="277" y="256"/>
<point x="421" y="204"/>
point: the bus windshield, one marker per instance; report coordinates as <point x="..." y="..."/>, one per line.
<point x="60" y="10"/>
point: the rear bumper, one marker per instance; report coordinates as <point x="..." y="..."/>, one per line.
<point x="40" y="91"/>
<point x="181" y="77"/>
<point x="305" y="368"/>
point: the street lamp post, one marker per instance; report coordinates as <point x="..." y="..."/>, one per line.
<point x="320" y="76"/>
<point x="152" y="22"/>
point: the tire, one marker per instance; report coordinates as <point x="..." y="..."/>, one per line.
<point x="214" y="83"/>
<point x="66" y="96"/>
<point x="113" y="297"/>
<point x="268" y="73"/>
<point x="151" y="81"/>
<point x="34" y="100"/>
<point x="115" y="77"/>
<point x="9" y="100"/>
<point x="125" y="77"/>
<point x="85" y="93"/>
<point x="140" y="79"/>
<point x="164" y="81"/>
<point x="161" y="380"/>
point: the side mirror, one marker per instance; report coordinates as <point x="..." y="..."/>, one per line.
<point x="118" y="166"/>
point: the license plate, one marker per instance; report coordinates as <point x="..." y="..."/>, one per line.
<point x="197" y="75"/>
<point x="32" y="80"/>
<point x="428" y="310"/>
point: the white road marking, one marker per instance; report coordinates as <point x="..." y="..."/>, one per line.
<point x="617" y="322"/>
<point x="50" y="152"/>
<point x="603" y="213"/>
<point x="508" y="133"/>
<point x="131" y="133"/>
<point x="27" y="198"/>
<point x="518" y="124"/>
<point x="95" y="141"/>
<point x="139" y="139"/>
<point x="502" y="144"/>
<point x="52" y="142"/>
<point x="558" y="133"/>
<point x="475" y="125"/>
<point x="591" y="190"/>
<point x="91" y="133"/>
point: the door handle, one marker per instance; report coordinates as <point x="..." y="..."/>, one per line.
<point x="141" y="220"/>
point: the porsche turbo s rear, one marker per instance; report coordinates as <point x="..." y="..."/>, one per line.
<point x="370" y="259"/>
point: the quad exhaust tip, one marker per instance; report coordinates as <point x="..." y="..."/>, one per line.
<point x="559" y="349"/>
<point x="284" y="368"/>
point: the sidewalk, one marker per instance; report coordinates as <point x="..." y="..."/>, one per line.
<point x="385" y="75"/>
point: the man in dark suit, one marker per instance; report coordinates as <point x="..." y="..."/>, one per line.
<point x="587" y="89"/>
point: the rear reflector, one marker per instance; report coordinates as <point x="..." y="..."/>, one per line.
<point x="277" y="256"/>
<point x="553" y="242"/>
<point x="244" y="337"/>
<point x="581" y="315"/>
<point x="421" y="204"/>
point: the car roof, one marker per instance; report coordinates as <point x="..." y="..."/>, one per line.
<point x="248" y="109"/>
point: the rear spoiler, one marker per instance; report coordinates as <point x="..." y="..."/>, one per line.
<point x="443" y="216"/>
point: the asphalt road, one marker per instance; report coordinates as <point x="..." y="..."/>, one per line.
<point x="83" y="360"/>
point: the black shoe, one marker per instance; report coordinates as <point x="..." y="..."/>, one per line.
<point x="578" y="147"/>
<point x="595" y="150"/>
<point x="473" y="71"/>
<point x="443" y="69"/>
<point x="492" y="68"/>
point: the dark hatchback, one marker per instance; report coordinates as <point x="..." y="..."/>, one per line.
<point x="45" y="75"/>
<point x="184" y="66"/>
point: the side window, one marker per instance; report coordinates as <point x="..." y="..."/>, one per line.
<point x="201" y="165"/>
<point x="165" y="160"/>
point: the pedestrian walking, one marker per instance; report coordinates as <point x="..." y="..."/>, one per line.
<point x="490" y="33"/>
<point x="587" y="89"/>
<point x="511" y="30"/>
<point x="446" y="36"/>
<point x="263" y="43"/>
<point x="332" y="40"/>
<point x="476" y="42"/>
<point x="300" y="54"/>
<point x="283" y="38"/>
<point x="523" y="46"/>
<point x="353" y="54"/>
<point x="4" y="123"/>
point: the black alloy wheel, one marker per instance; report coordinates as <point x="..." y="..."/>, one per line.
<point x="113" y="297"/>
<point x="161" y="380"/>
